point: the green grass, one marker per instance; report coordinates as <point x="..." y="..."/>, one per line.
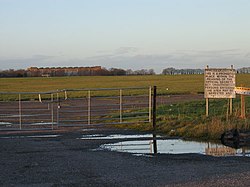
<point x="188" y="119"/>
<point x="184" y="119"/>
<point x="175" y="84"/>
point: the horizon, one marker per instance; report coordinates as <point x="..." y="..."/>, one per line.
<point x="108" y="68"/>
<point x="132" y="34"/>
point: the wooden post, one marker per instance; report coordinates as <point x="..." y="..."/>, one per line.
<point x="231" y="106"/>
<point x="207" y="100"/>
<point x="207" y="107"/>
<point x="243" y="107"/>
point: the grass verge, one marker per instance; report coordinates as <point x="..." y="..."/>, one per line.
<point x="188" y="119"/>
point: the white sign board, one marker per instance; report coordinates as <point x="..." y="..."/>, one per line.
<point x="242" y="91"/>
<point x="219" y="83"/>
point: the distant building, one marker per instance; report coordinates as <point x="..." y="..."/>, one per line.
<point x="63" y="71"/>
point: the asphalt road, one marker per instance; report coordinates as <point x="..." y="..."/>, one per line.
<point x="67" y="160"/>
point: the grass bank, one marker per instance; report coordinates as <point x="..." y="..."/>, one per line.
<point x="188" y="119"/>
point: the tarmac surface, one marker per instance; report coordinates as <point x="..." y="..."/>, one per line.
<point x="67" y="160"/>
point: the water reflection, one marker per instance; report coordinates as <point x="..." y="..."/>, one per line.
<point x="174" y="146"/>
<point x="220" y="150"/>
<point x="155" y="143"/>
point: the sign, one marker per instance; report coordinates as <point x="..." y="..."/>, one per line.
<point x="219" y="83"/>
<point x="242" y="90"/>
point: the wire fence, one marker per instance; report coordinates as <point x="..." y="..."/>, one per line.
<point x="75" y="107"/>
<point x="217" y="107"/>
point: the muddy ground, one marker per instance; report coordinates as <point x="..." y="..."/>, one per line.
<point x="67" y="160"/>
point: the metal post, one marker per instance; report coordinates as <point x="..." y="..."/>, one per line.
<point x="243" y="107"/>
<point x="89" y="108"/>
<point x="207" y="107"/>
<point x="154" y="119"/>
<point x="20" y="112"/>
<point x="52" y="112"/>
<point x="58" y="108"/>
<point x="120" y="105"/>
<point x="154" y="108"/>
<point x="150" y="105"/>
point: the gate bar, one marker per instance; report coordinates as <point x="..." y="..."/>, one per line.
<point x="89" y="108"/>
<point x="150" y="105"/>
<point x="120" y="105"/>
<point x="52" y="112"/>
<point x="20" y="112"/>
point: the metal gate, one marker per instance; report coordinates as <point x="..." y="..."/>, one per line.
<point x="74" y="108"/>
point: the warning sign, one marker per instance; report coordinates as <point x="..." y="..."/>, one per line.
<point x="242" y="91"/>
<point x="219" y="83"/>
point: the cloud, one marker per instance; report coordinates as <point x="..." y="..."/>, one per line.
<point x="247" y="55"/>
<point x="177" y="59"/>
<point x="126" y="50"/>
<point x="132" y="58"/>
<point x="19" y="63"/>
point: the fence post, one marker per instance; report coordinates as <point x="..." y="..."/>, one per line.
<point x="52" y="111"/>
<point x="207" y="107"/>
<point x="243" y="106"/>
<point x="20" y="112"/>
<point x="154" y="107"/>
<point x="154" y="119"/>
<point x="120" y="105"/>
<point x="89" y="108"/>
<point x="231" y="106"/>
<point x="58" y="107"/>
<point x="150" y="105"/>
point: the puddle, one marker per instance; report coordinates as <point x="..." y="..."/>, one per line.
<point x="115" y="136"/>
<point x="44" y="123"/>
<point x="17" y="115"/>
<point x="84" y="130"/>
<point x="35" y="136"/>
<point x="5" y="123"/>
<point x="174" y="146"/>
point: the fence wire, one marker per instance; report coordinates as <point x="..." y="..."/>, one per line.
<point x="70" y="108"/>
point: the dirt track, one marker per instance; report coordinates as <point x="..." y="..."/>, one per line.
<point x="69" y="161"/>
<point x="36" y="115"/>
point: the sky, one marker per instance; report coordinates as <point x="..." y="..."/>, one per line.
<point x="128" y="34"/>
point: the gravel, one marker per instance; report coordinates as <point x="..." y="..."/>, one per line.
<point x="67" y="160"/>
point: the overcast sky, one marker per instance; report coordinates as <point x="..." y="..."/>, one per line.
<point x="124" y="33"/>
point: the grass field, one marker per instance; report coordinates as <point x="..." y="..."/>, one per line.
<point x="176" y="84"/>
<point x="184" y="119"/>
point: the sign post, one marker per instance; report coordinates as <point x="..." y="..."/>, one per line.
<point x="219" y="83"/>
<point x="243" y="91"/>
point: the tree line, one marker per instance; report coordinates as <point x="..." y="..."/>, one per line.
<point x="173" y="71"/>
<point x="98" y="71"/>
<point x="73" y="71"/>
